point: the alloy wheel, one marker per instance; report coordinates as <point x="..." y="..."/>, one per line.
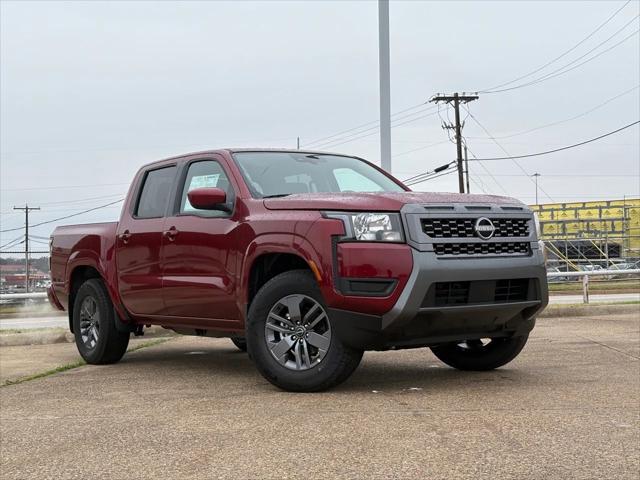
<point x="89" y="322"/>
<point x="297" y="332"/>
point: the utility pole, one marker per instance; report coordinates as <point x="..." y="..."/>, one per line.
<point x="456" y="99"/>
<point x="536" y="175"/>
<point x="466" y="167"/>
<point x="26" y="210"/>
<point x="385" y="85"/>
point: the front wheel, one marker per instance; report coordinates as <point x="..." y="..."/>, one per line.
<point x="290" y="336"/>
<point x="480" y="354"/>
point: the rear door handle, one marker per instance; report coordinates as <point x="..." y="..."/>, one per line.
<point x="125" y="236"/>
<point x="171" y="234"/>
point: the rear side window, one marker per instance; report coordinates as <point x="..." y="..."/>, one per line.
<point x="155" y="193"/>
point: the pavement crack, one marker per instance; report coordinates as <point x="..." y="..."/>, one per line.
<point x="610" y="347"/>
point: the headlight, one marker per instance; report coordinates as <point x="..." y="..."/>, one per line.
<point x="371" y="227"/>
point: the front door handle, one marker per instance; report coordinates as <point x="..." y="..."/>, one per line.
<point x="171" y="234"/>
<point x="125" y="236"/>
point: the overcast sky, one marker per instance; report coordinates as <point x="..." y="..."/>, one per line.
<point x="90" y="91"/>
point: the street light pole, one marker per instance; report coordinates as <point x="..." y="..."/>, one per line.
<point x="536" y="175"/>
<point x="385" y="85"/>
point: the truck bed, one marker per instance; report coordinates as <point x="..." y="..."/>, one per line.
<point x="89" y="241"/>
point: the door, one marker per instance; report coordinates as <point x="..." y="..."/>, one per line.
<point x="199" y="252"/>
<point x="139" y="243"/>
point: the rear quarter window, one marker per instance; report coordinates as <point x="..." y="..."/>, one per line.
<point x="155" y="193"/>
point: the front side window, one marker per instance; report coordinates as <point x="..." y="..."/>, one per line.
<point x="206" y="173"/>
<point x="155" y="193"/>
<point x="271" y="174"/>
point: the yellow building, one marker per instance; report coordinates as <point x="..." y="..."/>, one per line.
<point x="592" y="230"/>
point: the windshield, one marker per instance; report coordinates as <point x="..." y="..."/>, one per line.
<point x="272" y="174"/>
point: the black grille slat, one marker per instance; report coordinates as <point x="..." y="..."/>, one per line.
<point x="477" y="248"/>
<point x="464" y="227"/>
<point x="452" y="293"/>
<point x="512" y="290"/>
<point x="478" y="292"/>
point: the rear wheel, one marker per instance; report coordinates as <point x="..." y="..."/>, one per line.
<point x="480" y="354"/>
<point x="290" y="337"/>
<point x="97" y="338"/>
<point x="240" y="342"/>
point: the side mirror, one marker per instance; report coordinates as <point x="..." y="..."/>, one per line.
<point x="207" y="198"/>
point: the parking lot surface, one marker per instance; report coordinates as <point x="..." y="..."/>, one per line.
<point x="567" y="407"/>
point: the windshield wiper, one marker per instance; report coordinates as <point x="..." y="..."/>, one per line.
<point x="277" y="195"/>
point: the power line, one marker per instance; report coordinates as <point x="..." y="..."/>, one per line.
<point x="505" y="151"/>
<point x="376" y="122"/>
<point x="358" y="135"/>
<point x="66" y="216"/>
<point x="626" y="92"/>
<point x="562" y="71"/>
<point x="487" y="170"/>
<point x="559" y="149"/>
<point x="551" y="62"/>
<point x="83" y="200"/>
<point x="421" y="148"/>
<point x="59" y="187"/>
<point x="16" y="241"/>
<point x="435" y="170"/>
<point x="415" y="182"/>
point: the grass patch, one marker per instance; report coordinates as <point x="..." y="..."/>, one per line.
<point x="46" y="373"/>
<point x="79" y="363"/>
<point x="149" y="343"/>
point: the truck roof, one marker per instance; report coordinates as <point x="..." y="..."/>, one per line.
<point x="245" y="149"/>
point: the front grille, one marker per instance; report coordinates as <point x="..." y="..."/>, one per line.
<point x="452" y="293"/>
<point x="512" y="290"/>
<point x="478" y="292"/>
<point x="505" y="248"/>
<point x="464" y="227"/>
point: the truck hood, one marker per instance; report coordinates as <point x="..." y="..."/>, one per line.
<point x="387" y="202"/>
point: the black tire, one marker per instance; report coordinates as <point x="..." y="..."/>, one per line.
<point x="337" y="364"/>
<point x="475" y="356"/>
<point x="111" y="344"/>
<point x="240" y="342"/>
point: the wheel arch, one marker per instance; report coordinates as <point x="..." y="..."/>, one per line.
<point x="267" y="265"/>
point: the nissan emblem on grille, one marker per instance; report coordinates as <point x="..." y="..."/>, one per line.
<point x="484" y="228"/>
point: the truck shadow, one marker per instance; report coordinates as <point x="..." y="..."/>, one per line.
<point x="413" y="370"/>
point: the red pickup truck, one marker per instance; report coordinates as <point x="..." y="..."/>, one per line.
<point x="306" y="260"/>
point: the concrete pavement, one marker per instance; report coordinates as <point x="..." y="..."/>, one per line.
<point x="566" y="408"/>
<point x="53" y="321"/>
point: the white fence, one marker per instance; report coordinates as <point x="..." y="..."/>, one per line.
<point x="595" y="273"/>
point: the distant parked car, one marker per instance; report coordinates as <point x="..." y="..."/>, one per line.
<point x="555" y="279"/>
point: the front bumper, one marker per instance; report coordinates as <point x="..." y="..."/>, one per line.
<point x="414" y="322"/>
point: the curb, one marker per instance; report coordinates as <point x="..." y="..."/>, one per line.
<point x="588" y="310"/>
<point x="60" y="335"/>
